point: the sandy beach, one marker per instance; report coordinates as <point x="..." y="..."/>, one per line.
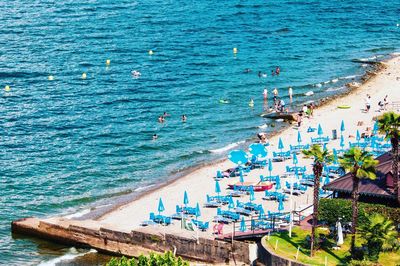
<point x="201" y="182"/>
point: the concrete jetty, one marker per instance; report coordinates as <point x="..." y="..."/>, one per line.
<point x="105" y="238"/>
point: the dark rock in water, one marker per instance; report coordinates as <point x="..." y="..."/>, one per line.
<point x="285" y="116"/>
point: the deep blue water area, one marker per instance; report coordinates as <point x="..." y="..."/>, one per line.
<point x="65" y="144"/>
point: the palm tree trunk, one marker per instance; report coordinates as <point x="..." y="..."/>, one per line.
<point x="354" y="196"/>
<point x="395" y="167"/>
<point x="317" y="174"/>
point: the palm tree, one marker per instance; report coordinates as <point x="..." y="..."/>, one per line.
<point x="380" y="235"/>
<point x="389" y="124"/>
<point x="321" y="157"/>
<point x="361" y="165"/>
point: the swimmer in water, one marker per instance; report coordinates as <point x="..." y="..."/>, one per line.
<point x="184" y="118"/>
<point x="136" y="74"/>
<point x="277" y="70"/>
<point x="247" y="70"/>
<point x="166" y="114"/>
<point x="161" y="119"/>
<point x="155" y="137"/>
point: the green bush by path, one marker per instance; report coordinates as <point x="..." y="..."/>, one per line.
<point x="331" y="209"/>
<point x="153" y="260"/>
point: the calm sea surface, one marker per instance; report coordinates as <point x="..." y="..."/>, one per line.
<point x="68" y="143"/>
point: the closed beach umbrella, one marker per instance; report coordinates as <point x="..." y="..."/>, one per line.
<point x="335" y="156"/>
<point x="241" y="177"/>
<point x="217" y="187"/>
<point x="277" y="183"/>
<point x="242" y="225"/>
<point x="342" y="128"/>
<point x="252" y="196"/>
<point x="270" y="167"/>
<point x="160" y="206"/>
<point x="261" y="212"/>
<point x="198" y="213"/>
<point x="258" y="150"/>
<point x="280" y="144"/>
<point x="280" y="205"/>
<point x="231" y="204"/>
<point x="342" y="141"/>
<point x="295" y="161"/>
<point x="358" y="137"/>
<point x="185" y="198"/>
<point x="238" y="157"/>
<point x="299" y="137"/>
<point x="376" y="128"/>
<point x="326" y="180"/>
<point x="339" y="234"/>
<point x="320" y="132"/>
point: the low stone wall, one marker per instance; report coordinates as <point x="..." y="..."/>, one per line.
<point x="137" y="242"/>
<point x="267" y="257"/>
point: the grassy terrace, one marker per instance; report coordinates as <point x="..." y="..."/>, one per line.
<point x="287" y="247"/>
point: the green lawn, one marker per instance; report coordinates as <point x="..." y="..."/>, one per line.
<point x="287" y="247"/>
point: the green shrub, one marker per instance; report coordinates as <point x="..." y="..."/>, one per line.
<point x="331" y="209"/>
<point x="153" y="260"/>
<point x="362" y="263"/>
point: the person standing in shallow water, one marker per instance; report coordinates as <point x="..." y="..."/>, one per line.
<point x="290" y="94"/>
<point x="184" y="118"/>
<point x="265" y="94"/>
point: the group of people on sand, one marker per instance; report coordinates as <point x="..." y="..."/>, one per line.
<point x="162" y="119"/>
<point x="279" y="104"/>
<point x="382" y="104"/>
<point x="306" y="111"/>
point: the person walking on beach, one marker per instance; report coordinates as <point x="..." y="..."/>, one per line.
<point x="265" y="93"/>
<point x="299" y="118"/>
<point x="290" y="94"/>
<point x="385" y="102"/>
<point x="367" y="103"/>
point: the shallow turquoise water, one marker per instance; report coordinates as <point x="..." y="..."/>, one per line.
<point x="67" y="143"/>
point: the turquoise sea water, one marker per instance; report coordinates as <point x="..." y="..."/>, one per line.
<point x="68" y="143"/>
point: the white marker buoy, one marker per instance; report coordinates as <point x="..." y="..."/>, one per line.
<point x="151" y="52"/>
<point x="7" y="88"/>
<point x="108" y="62"/>
<point x="235" y="50"/>
<point x="84" y="75"/>
<point x="50" y="77"/>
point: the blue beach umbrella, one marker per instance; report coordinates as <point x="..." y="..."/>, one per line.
<point x="358" y="137"/>
<point x="261" y="212"/>
<point x="278" y="183"/>
<point x="326" y="180"/>
<point x="376" y="128"/>
<point x="251" y="192"/>
<point x="217" y="187"/>
<point x="280" y="144"/>
<point x="280" y="205"/>
<point x="342" y="141"/>
<point x="161" y="207"/>
<point x="242" y="225"/>
<point x="335" y="156"/>
<point x="185" y="198"/>
<point x="270" y="167"/>
<point x="231" y="204"/>
<point x="198" y="213"/>
<point x="325" y="147"/>
<point x="258" y="150"/>
<point x="238" y="157"/>
<point x="241" y="177"/>
<point x="298" y="137"/>
<point x="320" y="132"/>
<point x="295" y="161"/>
<point x="342" y="128"/>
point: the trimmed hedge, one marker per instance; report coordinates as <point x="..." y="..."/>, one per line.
<point x="153" y="260"/>
<point x="331" y="209"/>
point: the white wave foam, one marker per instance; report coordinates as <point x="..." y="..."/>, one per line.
<point x="77" y="214"/>
<point x="349" y="77"/>
<point x="309" y="93"/>
<point x="143" y="188"/>
<point x="71" y="254"/>
<point x="335" y="80"/>
<point x="335" y="88"/>
<point x="227" y="147"/>
<point x="318" y="85"/>
<point x="263" y="126"/>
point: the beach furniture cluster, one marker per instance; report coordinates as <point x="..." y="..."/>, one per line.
<point x="239" y="205"/>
